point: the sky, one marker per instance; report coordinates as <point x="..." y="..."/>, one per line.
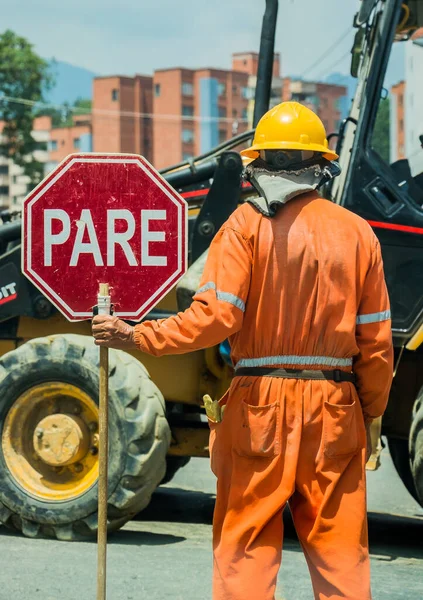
<point x="137" y="36"/>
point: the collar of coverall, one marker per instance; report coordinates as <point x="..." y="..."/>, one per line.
<point x="276" y="188"/>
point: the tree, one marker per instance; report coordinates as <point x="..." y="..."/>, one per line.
<point x="381" y="132"/>
<point x="24" y="76"/>
<point x="83" y="106"/>
<point x="62" y="116"/>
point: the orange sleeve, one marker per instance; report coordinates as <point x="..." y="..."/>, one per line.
<point x="373" y="365"/>
<point x="218" y="307"/>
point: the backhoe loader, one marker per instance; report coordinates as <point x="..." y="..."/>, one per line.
<point x="157" y="423"/>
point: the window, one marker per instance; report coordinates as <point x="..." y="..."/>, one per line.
<point x="187" y="89"/>
<point x="53" y="145"/>
<point x="76" y="143"/>
<point x="222" y="112"/>
<point x="244" y="113"/>
<point x="399" y="122"/>
<point x="4" y="190"/>
<point x="222" y="136"/>
<point x="245" y="92"/>
<point x="157" y="90"/>
<point x="187" y="111"/>
<point x="115" y="95"/>
<point x="4" y="170"/>
<point x="235" y="90"/>
<point x="234" y="112"/>
<point x="221" y="89"/>
<point x="187" y="136"/>
<point x="187" y="156"/>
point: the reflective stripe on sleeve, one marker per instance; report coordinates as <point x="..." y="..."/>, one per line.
<point x="224" y="296"/>
<point x="271" y="361"/>
<point x="374" y="317"/>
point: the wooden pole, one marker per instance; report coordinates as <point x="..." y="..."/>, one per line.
<point x="103" y="308"/>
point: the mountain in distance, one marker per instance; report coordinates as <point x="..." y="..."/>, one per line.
<point x="71" y="83"/>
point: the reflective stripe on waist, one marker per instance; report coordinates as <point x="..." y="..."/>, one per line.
<point x="335" y="375"/>
<point x="297" y="361"/>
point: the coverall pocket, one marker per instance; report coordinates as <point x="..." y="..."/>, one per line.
<point x="258" y="431"/>
<point x="340" y="436"/>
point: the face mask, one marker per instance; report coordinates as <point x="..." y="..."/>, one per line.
<point x="276" y="188"/>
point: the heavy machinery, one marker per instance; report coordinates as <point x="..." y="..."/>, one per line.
<point x="48" y="367"/>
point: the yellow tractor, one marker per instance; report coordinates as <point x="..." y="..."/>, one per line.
<point x="49" y="367"/>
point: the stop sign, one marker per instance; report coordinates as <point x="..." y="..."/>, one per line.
<point x="100" y="218"/>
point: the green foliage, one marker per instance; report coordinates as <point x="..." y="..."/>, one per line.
<point x="62" y="116"/>
<point x="83" y="106"/>
<point x="23" y="75"/>
<point x="381" y="132"/>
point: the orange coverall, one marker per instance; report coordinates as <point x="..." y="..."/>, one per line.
<point x="303" y="289"/>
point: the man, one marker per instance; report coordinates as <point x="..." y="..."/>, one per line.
<point x="296" y="283"/>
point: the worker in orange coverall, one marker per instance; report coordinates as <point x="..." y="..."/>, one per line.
<point x="296" y="283"/>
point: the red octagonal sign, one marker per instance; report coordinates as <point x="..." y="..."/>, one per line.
<point x="103" y="218"/>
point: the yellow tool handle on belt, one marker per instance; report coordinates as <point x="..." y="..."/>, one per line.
<point x="214" y="411"/>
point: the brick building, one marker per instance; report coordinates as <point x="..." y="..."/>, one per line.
<point x="68" y="140"/>
<point x="195" y="110"/>
<point x="175" y="114"/>
<point x="322" y="98"/>
<point x="397" y="119"/>
<point x="122" y="115"/>
<point x="406" y="115"/>
<point x="178" y="113"/>
<point x="247" y="62"/>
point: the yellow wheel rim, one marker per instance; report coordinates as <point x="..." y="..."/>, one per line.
<point x="50" y="441"/>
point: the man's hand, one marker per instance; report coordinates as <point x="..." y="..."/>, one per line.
<point x="112" y="332"/>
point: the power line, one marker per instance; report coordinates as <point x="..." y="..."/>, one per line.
<point x="326" y="52"/>
<point x="120" y="113"/>
<point x="335" y="64"/>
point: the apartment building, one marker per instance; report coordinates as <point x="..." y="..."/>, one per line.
<point x="325" y="99"/>
<point x="122" y="115"/>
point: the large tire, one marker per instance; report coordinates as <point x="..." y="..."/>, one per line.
<point x="400" y="454"/>
<point x="139" y="436"/>
<point x="416" y="446"/>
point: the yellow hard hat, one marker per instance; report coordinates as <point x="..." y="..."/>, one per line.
<point x="290" y="126"/>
